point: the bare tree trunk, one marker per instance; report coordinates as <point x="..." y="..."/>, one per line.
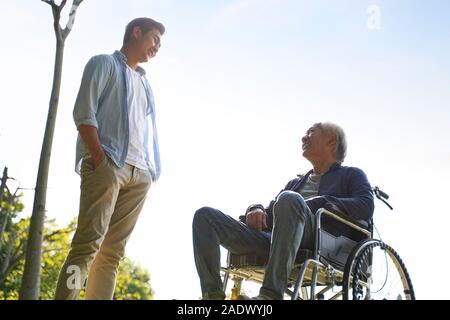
<point x="30" y="288"/>
<point x="6" y="263"/>
<point x="5" y="217"/>
<point x="3" y="185"/>
<point x="13" y="258"/>
<point x="3" y="213"/>
<point x="31" y="275"/>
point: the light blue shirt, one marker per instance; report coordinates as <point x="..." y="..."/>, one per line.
<point x="102" y="103"/>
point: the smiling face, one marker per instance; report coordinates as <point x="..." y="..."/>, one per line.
<point x="318" y="144"/>
<point x="146" y="44"/>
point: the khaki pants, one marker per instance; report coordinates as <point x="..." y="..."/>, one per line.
<point x="110" y="202"/>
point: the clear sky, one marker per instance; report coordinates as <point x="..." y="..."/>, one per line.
<point x="237" y="83"/>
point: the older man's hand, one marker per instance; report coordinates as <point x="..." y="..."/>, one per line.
<point x="256" y="219"/>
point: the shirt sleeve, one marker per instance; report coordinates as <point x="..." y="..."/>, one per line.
<point x="94" y="80"/>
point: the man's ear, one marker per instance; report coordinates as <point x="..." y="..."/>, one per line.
<point x="332" y="140"/>
<point x="137" y="32"/>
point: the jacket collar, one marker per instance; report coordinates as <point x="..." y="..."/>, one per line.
<point x="333" y="167"/>
<point x="303" y="177"/>
<point x="123" y="59"/>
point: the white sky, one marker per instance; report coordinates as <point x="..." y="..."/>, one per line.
<point x="236" y="83"/>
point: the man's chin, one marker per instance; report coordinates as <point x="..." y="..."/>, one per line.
<point x="144" y="59"/>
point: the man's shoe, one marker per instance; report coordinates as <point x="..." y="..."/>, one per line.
<point x="262" y="297"/>
<point x="258" y="297"/>
<point x="214" y="296"/>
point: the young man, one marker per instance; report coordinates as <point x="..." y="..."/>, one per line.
<point x="287" y="224"/>
<point x="117" y="157"/>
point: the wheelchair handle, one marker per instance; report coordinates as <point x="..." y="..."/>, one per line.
<point x="383" y="196"/>
<point x="379" y="192"/>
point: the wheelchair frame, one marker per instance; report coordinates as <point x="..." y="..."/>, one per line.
<point x="315" y="270"/>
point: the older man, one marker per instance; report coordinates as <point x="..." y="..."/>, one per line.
<point x="287" y="224"/>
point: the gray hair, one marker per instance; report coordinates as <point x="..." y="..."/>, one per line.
<point x="341" y="140"/>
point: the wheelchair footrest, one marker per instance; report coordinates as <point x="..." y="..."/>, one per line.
<point x="247" y="260"/>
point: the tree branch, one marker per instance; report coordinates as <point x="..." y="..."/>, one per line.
<point x="10" y="268"/>
<point x="50" y="2"/>
<point x="63" y="3"/>
<point x="8" y="253"/>
<point x="71" y="21"/>
<point x="11" y="261"/>
<point x="56" y="10"/>
<point x="48" y="237"/>
<point x="19" y="250"/>
<point x="54" y="249"/>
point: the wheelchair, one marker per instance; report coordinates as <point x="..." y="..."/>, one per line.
<point x="347" y="264"/>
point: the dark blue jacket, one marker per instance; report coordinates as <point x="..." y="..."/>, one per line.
<point x="344" y="189"/>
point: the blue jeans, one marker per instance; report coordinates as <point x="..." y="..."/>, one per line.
<point x="293" y="229"/>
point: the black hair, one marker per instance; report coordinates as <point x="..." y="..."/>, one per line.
<point x="146" y="24"/>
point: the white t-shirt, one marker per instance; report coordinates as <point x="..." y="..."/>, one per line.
<point x="137" y="106"/>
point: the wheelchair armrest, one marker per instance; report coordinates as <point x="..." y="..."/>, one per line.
<point x="360" y="226"/>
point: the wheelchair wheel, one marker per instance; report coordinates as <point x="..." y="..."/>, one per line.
<point x="374" y="271"/>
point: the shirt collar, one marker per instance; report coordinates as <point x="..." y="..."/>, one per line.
<point x="123" y="58"/>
